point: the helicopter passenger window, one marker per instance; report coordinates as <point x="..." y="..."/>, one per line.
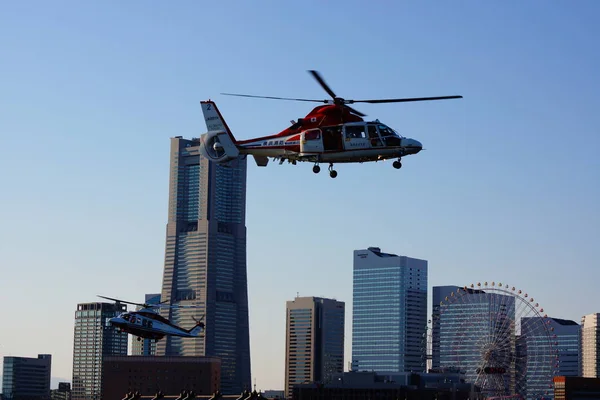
<point x="356" y="131"/>
<point x="312" y="135"/>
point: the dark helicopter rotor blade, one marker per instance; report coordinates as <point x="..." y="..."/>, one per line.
<point x="355" y="111"/>
<point x="121" y="301"/>
<point x="274" y="98"/>
<point x="404" y="100"/>
<point x="321" y="81"/>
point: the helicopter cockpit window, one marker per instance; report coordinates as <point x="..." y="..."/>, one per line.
<point x="389" y="135"/>
<point x="355" y="131"/>
<point x="387" y="131"/>
<point x="125" y="317"/>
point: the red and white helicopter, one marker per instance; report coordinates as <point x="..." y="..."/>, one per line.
<point x="146" y="323"/>
<point x="331" y="133"/>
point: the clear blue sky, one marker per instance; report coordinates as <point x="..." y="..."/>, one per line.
<point x="90" y="93"/>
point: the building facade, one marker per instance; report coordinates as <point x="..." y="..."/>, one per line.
<point x="62" y="393"/>
<point x="205" y="261"/>
<point x="169" y="375"/>
<point x="473" y="327"/>
<point x="389" y="313"/>
<point x="590" y="344"/>
<point x="25" y="378"/>
<point x="145" y="347"/>
<point x="536" y="348"/>
<point x="439" y="294"/>
<point x="95" y="339"/>
<point x="314" y="349"/>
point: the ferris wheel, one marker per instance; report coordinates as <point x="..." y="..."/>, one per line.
<point x="500" y="339"/>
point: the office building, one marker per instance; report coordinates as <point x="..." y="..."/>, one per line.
<point x="170" y="375"/>
<point x="62" y="393"/>
<point x="389" y="313"/>
<point x="439" y="295"/>
<point x="474" y="325"/>
<point x="95" y="339"/>
<point x="314" y="349"/>
<point x="576" y="388"/>
<point x="537" y="350"/>
<point x="25" y="378"/>
<point x="568" y="344"/>
<point x="205" y="261"/>
<point x="145" y="347"/>
<point x="590" y="346"/>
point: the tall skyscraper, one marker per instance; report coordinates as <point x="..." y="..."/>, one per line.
<point x="389" y="313"/>
<point x="535" y="346"/>
<point x="314" y="349"/>
<point x="26" y="378"/>
<point x="590" y="346"/>
<point x="439" y="294"/>
<point x="145" y="347"/>
<point x="205" y="261"/>
<point x="95" y="339"/>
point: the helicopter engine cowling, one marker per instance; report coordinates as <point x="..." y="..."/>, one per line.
<point x="218" y="146"/>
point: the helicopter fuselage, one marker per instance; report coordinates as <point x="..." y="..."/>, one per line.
<point x="343" y="143"/>
<point x="150" y="325"/>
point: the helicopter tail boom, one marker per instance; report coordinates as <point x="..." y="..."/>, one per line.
<point x="218" y="144"/>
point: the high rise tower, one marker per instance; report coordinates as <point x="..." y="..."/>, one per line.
<point x="314" y="348"/>
<point x="389" y="313"/>
<point x="94" y="339"/>
<point x="590" y="346"/>
<point x="205" y="261"/>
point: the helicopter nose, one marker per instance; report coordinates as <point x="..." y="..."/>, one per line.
<point x="412" y="146"/>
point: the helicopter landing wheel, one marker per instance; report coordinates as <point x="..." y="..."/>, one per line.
<point x="332" y="172"/>
<point x="316" y="169"/>
<point x="397" y="164"/>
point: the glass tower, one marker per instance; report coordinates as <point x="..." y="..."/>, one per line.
<point x="314" y="340"/>
<point x="95" y="338"/>
<point x="439" y="294"/>
<point x="475" y="326"/>
<point x="205" y="261"/>
<point x="535" y="347"/>
<point x="26" y="378"/>
<point x="389" y="315"/>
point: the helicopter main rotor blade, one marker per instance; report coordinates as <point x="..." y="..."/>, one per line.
<point x="274" y="98"/>
<point x="355" y="111"/>
<point x="121" y="301"/>
<point x="174" y="306"/>
<point x="321" y="81"/>
<point x="404" y="100"/>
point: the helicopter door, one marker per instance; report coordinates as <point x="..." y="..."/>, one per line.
<point x="355" y="137"/>
<point x="311" y="141"/>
